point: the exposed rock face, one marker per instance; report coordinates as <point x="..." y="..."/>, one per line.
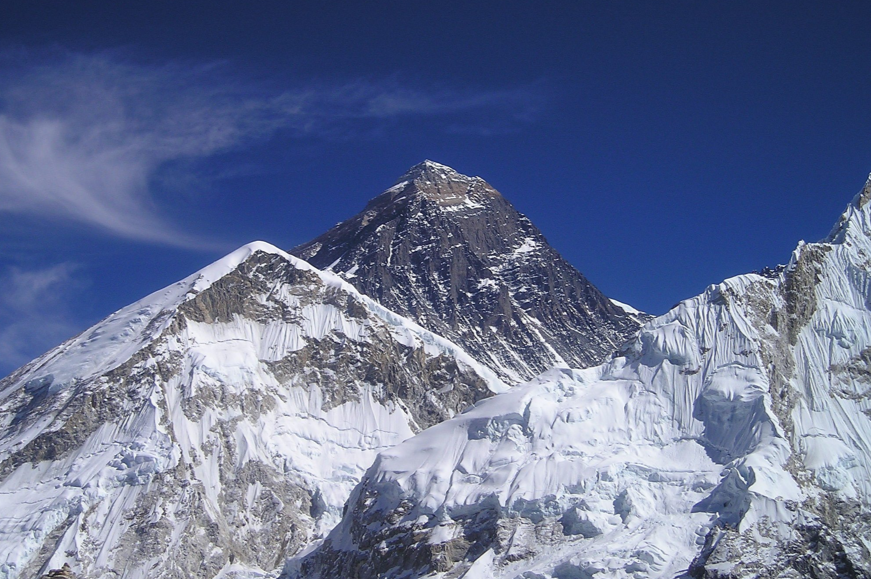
<point x="450" y="252"/>
<point x="730" y="439"/>
<point x="64" y="572"/>
<point x="216" y="426"/>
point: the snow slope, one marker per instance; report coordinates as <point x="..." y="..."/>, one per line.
<point x="731" y="438"/>
<point x="216" y="426"/>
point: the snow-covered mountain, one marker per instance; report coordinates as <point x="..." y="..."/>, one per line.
<point x="215" y="427"/>
<point x="223" y="426"/>
<point x="450" y="252"/>
<point x="730" y="438"/>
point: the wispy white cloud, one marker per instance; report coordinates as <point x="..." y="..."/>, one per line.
<point x="34" y="314"/>
<point x="82" y="137"/>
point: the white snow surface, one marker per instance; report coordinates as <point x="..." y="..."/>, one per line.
<point x="623" y="470"/>
<point x="626" y="308"/>
<point x="87" y="495"/>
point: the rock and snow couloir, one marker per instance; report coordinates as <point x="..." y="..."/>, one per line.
<point x="448" y="251"/>
<point x="730" y="438"/>
<point x="216" y="426"/>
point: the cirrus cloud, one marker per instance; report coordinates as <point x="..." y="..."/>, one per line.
<point x="82" y="137"/>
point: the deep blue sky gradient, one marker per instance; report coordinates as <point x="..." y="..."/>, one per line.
<point x="659" y="146"/>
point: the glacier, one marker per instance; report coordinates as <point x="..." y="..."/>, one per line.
<point x="730" y="438"/>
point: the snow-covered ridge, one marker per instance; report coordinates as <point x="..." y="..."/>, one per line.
<point x="626" y="307"/>
<point x="114" y="340"/>
<point x="731" y="438"/>
<point x="636" y="314"/>
<point x="217" y="424"/>
<point x="854" y="222"/>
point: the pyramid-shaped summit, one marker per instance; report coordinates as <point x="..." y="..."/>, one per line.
<point x="449" y="251"/>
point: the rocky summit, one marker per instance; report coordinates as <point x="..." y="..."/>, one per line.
<point x="453" y="254"/>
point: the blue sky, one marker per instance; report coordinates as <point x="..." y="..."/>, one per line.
<point x="660" y="146"/>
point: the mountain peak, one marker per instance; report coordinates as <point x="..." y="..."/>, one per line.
<point x="431" y="171"/>
<point x="440" y="184"/>
<point x="454" y="254"/>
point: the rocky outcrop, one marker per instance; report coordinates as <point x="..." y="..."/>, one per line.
<point x="450" y="252"/>
<point x="64" y="572"/>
